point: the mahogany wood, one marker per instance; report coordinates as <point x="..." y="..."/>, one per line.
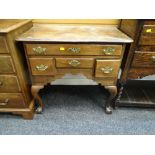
<point x="6" y="65"/>
<point x="112" y="64"/>
<point x="48" y="65"/>
<point x="74" y="62"/>
<point x="143" y="59"/>
<point x="63" y="49"/>
<point x="3" y="45"/>
<point x="11" y="100"/>
<point x="15" y="96"/>
<point x="52" y="51"/>
<point x="140" y="56"/>
<point x="9" y="83"/>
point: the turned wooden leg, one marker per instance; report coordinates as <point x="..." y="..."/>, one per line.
<point x="119" y="96"/>
<point x="113" y="92"/>
<point x="35" y="90"/>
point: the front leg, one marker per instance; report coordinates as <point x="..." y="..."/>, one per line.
<point x="35" y="90"/>
<point x="113" y="92"/>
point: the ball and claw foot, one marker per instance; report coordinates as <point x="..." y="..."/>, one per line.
<point x="113" y="92"/>
<point x="108" y="110"/>
<point x="34" y="90"/>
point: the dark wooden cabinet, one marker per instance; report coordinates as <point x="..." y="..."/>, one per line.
<point x="139" y="59"/>
<point x="15" y="96"/>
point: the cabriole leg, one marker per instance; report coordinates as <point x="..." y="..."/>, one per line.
<point x="113" y="92"/>
<point x="35" y="90"/>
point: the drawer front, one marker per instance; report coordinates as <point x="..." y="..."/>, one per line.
<point x="73" y="49"/>
<point x="11" y="100"/>
<point x="144" y="59"/>
<point x="3" y="45"/>
<point x="42" y="66"/>
<point x="107" y="68"/>
<point x="9" y="83"/>
<point x="147" y="36"/>
<point x="74" y="62"/>
<point x="6" y="65"/>
<point x="140" y="72"/>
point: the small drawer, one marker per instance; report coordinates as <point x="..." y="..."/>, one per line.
<point x="42" y="66"/>
<point x="9" y="83"/>
<point x="3" y="45"/>
<point x="147" y="36"/>
<point x="73" y="49"/>
<point x="107" y="68"/>
<point x="74" y="62"/>
<point x="140" y="72"/>
<point x="6" y="65"/>
<point x="143" y="59"/>
<point x="11" y="100"/>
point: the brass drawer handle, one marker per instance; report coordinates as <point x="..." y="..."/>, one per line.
<point x="74" y="50"/>
<point x="39" y="50"/>
<point x="153" y="58"/>
<point x="41" y="67"/>
<point x="108" y="51"/>
<point x="148" y="30"/>
<point x="107" y="69"/>
<point x="74" y="63"/>
<point x="5" y="102"/>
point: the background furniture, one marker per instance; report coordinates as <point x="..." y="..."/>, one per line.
<point x="15" y="94"/>
<point x="139" y="62"/>
<point x="95" y="51"/>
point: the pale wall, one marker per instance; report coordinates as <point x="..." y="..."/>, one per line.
<point x="79" y="21"/>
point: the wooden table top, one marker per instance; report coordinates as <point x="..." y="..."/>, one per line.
<point x="74" y="33"/>
<point x="7" y="25"/>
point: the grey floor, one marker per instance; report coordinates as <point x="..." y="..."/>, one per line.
<point x="78" y="110"/>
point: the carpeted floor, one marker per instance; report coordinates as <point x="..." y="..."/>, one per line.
<point x="78" y="110"/>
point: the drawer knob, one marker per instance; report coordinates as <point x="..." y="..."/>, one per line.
<point x="153" y="58"/>
<point x="41" y="67"/>
<point x="74" y="50"/>
<point x="39" y="50"/>
<point x="74" y="63"/>
<point x="108" y="51"/>
<point x="5" y="102"/>
<point x="107" y="69"/>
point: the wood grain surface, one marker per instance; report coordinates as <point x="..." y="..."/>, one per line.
<point x="9" y="83"/>
<point x="7" y="25"/>
<point x="74" y="33"/>
<point x="84" y="49"/>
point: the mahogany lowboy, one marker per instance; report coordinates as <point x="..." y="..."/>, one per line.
<point x="52" y="51"/>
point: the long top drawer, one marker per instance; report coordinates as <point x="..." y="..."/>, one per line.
<point x="73" y="49"/>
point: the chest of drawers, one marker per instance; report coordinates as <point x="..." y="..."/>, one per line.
<point x="140" y="56"/>
<point x="52" y="51"/>
<point x="15" y="96"/>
